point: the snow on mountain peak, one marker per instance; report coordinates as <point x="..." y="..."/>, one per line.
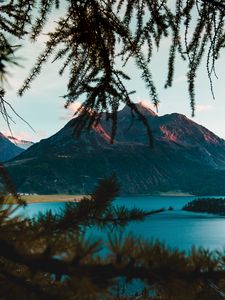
<point x="20" y="143"/>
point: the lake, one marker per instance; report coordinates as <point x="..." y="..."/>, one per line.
<point x="176" y="228"/>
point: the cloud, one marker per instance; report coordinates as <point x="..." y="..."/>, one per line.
<point x="204" y="107"/>
<point x="147" y="104"/>
<point x="24" y="135"/>
<point x="73" y="107"/>
<point x="70" y="111"/>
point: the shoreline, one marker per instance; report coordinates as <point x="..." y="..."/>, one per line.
<point x="36" y="198"/>
<point x="162" y="194"/>
<point x="30" y="199"/>
<point x="57" y="198"/>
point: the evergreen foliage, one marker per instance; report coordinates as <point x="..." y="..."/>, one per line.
<point x="91" y="36"/>
<point x="51" y="257"/>
<point x="55" y="256"/>
<point x="208" y="205"/>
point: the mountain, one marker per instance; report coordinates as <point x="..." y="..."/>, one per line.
<point x="186" y="157"/>
<point x="7" y="149"/>
<point x="20" y="143"/>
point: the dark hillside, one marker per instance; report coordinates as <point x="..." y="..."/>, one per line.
<point x="187" y="157"/>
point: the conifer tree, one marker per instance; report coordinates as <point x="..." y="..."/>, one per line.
<point x="51" y="257"/>
<point x="91" y="36"/>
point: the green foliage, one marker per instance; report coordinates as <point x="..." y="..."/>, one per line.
<point x="40" y="257"/>
<point x="56" y="256"/>
<point x="208" y="205"/>
<point x="51" y="256"/>
<point x="91" y="36"/>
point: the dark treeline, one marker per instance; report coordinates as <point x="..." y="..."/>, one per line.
<point x="208" y="205"/>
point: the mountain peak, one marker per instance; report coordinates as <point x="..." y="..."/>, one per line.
<point x="184" y="152"/>
<point x="144" y="108"/>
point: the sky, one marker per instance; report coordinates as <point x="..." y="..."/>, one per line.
<point x="43" y="106"/>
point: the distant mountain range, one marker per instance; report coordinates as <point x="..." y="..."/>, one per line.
<point x="8" y="149"/>
<point x="20" y="143"/>
<point x="11" y="146"/>
<point x="186" y="157"/>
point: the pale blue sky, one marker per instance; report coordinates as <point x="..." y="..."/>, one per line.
<point x="42" y="105"/>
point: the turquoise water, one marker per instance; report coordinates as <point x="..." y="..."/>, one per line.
<point x="176" y="228"/>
